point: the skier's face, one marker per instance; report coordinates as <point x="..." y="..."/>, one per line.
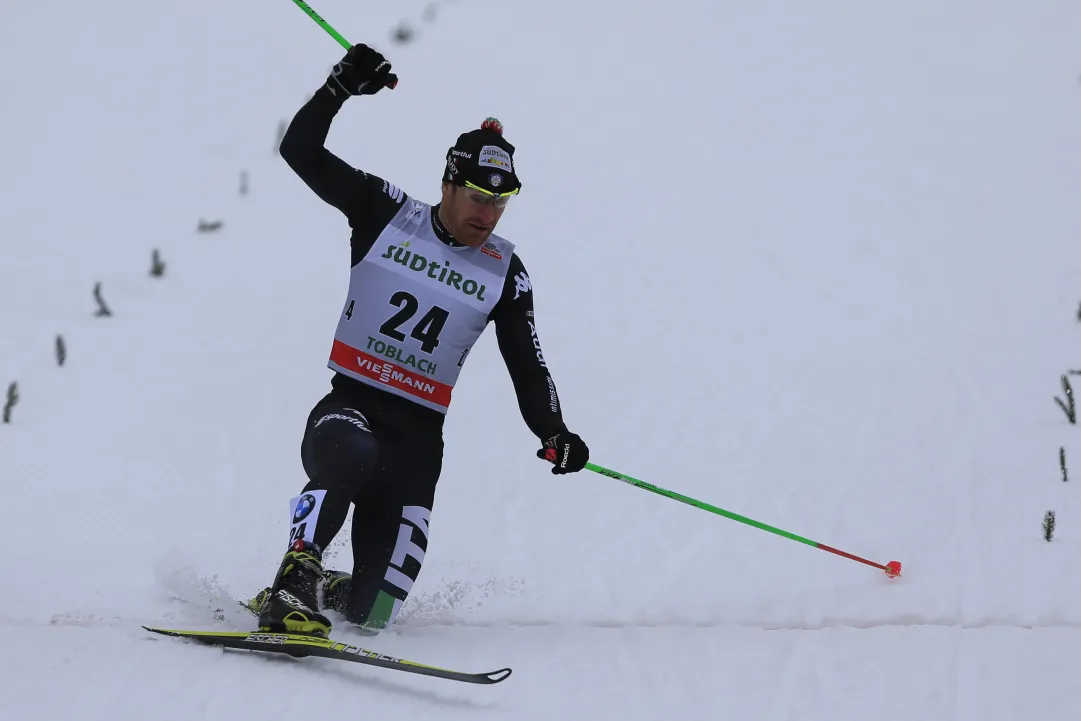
<point x="470" y="214"/>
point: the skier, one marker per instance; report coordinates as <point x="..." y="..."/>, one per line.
<point x="424" y="283"/>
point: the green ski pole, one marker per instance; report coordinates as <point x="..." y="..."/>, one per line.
<point x="392" y="79"/>
<point x="892" y="569"/>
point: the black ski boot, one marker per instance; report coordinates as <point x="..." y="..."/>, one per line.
<point x="293" y="602"/>
<point x="337" y="587"/>
<point x="338" y="596"/>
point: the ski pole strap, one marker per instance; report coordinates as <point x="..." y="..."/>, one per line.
<point x="391" y="78"/>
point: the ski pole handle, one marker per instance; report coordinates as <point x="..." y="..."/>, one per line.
<point x="392" y="79"/>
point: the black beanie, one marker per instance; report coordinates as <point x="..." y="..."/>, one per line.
<point x="484" y="158"/>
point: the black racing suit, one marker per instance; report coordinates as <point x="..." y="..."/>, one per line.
<point x="395" y="462"/>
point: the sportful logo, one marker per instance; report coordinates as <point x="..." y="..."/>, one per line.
<point x="521" y="285"/>
<point x="440" y="273"/>
<point x="492" y="156"/>
<point x="358" y="422"/>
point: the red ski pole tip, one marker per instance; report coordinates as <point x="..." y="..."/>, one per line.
<point x="893" y="569"/>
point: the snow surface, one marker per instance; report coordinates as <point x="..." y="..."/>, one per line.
<point x="814" y="263"/>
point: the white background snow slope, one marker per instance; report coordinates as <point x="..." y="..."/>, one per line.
<point x="815" y="263"/>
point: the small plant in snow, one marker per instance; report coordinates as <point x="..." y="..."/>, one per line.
<point x="61" y="350"/>
<point x="13" y="398"/>
<point x="157" y="267"/>
<point x="1048" y="525"/>
<point x="1062" y="462"/>
<point x="403" y="33"/>
<point x="103" y="310"/>
<point x="1068" y="406"/>
<point x="243" y="183"/>
<point x="208" y="226"/>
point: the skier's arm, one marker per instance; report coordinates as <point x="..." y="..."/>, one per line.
<point x="516" y="334"/>
<point x="302" y="147"/>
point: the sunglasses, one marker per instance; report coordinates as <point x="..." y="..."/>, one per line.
<point x="487" y="197"/>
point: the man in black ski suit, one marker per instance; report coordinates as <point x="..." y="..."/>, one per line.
<point x="424" y="283"/>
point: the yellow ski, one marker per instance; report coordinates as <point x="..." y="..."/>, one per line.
<point x="299" y="645"/>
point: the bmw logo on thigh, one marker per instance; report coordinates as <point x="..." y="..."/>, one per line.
<point x="305" y="514"/>
<point x="304" y="507"/>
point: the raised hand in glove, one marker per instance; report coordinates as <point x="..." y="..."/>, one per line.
<point x="566" y="451"/>
<point x="363" y="71"/>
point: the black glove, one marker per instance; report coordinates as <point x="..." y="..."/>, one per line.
<point x="567" y="451"/>
<point x="362" y="71"/>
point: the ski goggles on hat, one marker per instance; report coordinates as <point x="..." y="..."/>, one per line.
<point x="483" y="196"/>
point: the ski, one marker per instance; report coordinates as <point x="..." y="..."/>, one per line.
<point x="300" y="645"/>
